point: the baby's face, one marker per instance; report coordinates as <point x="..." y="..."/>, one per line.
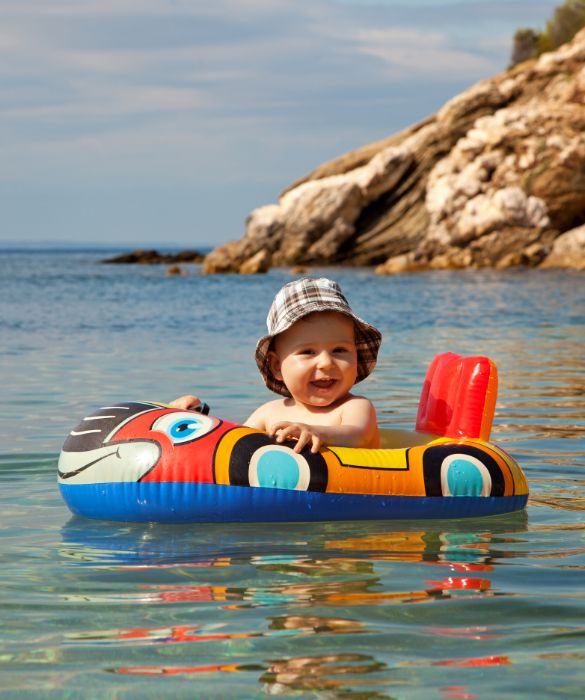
<point x="317" y="359"/>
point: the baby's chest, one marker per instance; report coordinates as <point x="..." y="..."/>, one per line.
<point x="294" y="415"/>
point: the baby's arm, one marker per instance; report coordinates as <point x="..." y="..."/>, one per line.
<point x="186" y="403"/>
<point x="260" y="418"/>
<point x="358" y="428"/>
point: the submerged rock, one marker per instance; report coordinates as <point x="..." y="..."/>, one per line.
<point x="492" y="179"/>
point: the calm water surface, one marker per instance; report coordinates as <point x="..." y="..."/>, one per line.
<point x="476" y="609"/>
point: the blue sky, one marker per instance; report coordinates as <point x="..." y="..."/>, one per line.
<point x="165" y="122"/>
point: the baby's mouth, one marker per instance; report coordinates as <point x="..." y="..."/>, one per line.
<point x="323" y="383"/>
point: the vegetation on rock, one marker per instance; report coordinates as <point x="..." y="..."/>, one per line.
<point x="566" y="21"/>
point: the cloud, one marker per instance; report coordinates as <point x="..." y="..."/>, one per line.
<point x="408" y="51"/>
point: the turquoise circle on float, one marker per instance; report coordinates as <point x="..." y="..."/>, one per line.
<point x="277" y="469"/>
<point x="464" y="478"/>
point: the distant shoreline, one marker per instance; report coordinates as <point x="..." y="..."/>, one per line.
<point x="101" y="248"/>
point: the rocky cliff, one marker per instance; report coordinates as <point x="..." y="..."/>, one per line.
<point x="495" y="178"/>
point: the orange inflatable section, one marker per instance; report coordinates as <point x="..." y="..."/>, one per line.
<point x="458" y="397"/>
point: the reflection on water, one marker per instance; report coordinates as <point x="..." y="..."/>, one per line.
<point x="321" y="673"/>
<point x="329" y="582"/>
<point x="102" y="545"/>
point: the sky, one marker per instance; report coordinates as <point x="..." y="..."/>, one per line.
<point x="146" y="123"/>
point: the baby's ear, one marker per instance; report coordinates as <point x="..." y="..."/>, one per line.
<point x="275" y="364"/>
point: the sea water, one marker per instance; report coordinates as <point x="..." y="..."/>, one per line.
<point x="462" y="609"/>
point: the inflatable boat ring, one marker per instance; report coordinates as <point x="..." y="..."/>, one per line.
<point x="143" y="461"/>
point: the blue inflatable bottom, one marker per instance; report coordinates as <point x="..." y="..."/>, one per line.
<point x="185" y="502"/>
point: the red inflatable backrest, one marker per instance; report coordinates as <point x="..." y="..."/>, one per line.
<point x="458" y="397"/>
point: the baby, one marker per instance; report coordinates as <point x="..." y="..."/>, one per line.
<point x="315" y="351"/>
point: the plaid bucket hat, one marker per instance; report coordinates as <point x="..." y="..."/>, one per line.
<point x="299" y="299"/>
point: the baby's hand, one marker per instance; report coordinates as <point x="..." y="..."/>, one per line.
<point x="186" y="403"/>
<point x="303" y="433"/>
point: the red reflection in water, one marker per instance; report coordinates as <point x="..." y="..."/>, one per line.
<point x="485" y="661"/>
<point x="172" y="635"/>
<point x="457" y="692"/>
<point x="460" y="584"/>
<point x="180" y="594"/>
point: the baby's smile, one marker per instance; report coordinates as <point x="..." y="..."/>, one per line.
<point x="323" y="383"/>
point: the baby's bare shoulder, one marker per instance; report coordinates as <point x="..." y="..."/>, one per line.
<point x="276" y="404"/>
<point x="265" y="414"/>
<point x="357" y="404"/>
<point x="356" y="399"/>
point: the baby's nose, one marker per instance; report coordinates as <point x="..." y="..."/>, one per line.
<point x="324" y="359"/>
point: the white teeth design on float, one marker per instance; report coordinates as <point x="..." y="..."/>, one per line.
<point x="126" y="461"/>
<point x="97" y="417"/>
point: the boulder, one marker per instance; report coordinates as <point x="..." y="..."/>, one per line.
<point x="401" y="263"/>
<point x="222" y="259"/>
<point x="256" y="264"/>
<point x="568" y="250"/>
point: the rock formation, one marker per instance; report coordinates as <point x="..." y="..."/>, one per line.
<point x="495" y="178"/>
<point x="153" y="257"/>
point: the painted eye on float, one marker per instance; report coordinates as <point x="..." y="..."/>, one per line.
<point x="185" y="426"/>
<point x="461" y="470"/>
<point x="280" y="467"/>
<point x="464" y="475"/>
<point x="255" y="460"/>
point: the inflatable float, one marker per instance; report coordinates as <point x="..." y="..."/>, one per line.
<point x="143" y="462"/>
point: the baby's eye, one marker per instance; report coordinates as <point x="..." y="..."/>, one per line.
<point x="306" y="351"/>
<point x="340" y="350"/>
